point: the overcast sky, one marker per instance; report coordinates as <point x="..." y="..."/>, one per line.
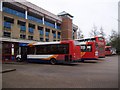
<point x="86" y="12"/>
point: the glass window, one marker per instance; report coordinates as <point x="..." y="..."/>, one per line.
<point x="7" y="34"/>
<point x="47" y="40"/>
<point x="107" y="49"/>
<point x="59" y="35"/>
<point x="41" y="39"/>
<point x="100" y="38"/>
<point x="6" y="48"/>
<point x="22" y="36"/>
<point x="30" y="37"/>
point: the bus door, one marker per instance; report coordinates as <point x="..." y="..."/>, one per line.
<point x="24" y="53"/>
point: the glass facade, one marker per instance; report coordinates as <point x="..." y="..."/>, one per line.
<point x="14" y="12"/>
<point x="7" y="25"/>
<point x="35" y="19"/>
<point x="22" y="24"/>
<point x="49" y="24"/>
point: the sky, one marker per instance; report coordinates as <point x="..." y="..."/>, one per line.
<point x="101" y="13"/>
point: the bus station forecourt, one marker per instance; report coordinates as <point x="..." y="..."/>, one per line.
<point x="102" y="73"/>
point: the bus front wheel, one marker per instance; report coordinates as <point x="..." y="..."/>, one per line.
<point x="53" y="61"/>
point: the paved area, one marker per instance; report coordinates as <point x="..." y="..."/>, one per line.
<point x="91" y="74"/>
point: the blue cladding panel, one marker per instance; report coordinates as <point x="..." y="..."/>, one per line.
<point x="23" y="44"/>
<point x="49" y="24"/>
<point x="14" y="12"/>
<point x="35" y="19"/>
<point x="31" y="30"/>
<point x="7" y="25"/>
<point x="23" y="28"/>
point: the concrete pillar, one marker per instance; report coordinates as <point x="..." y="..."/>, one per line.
<point x="0" y="65"/>
<point x="1" y="24"/>
<point x="51" y="36"/>
<point x="36" y="34"/>
<point x="44" y="31"/>
<point x="56" y="35"/>
<point x="75" y="35"/>
<point x="43" y="19"/>
<point x="1" y="5"/>
<point x="26" y="14"/>
<point x="27" y="32"/>
<point x="15" y="30"/>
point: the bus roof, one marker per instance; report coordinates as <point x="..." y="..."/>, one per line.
<point x="107" y="46"/>
<point x="85" y="39"/>
<point x="57" y="42"/>
<point x="44" y="43"/>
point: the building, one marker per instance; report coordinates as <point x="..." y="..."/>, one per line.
<point x="24" y="22"/>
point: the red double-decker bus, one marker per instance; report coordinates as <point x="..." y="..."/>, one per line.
<point x="108" y="50"/>
<point x="50" y="52"/>
<point x="92" y="48"/>
<point x="100" y="41"/>
<point x="89" y="49"/>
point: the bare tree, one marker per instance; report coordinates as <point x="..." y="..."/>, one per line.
<point x="79" y="34"/>
<point x="102" y="33"/>
<point x="94" y="31"/>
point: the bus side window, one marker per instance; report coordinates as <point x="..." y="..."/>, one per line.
<point x="31" y="50"/>
<point x="89" y="48"/>
<point x="83" y="48"/>
<point x="65" y="49"/>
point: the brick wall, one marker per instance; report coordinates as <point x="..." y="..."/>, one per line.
<point x="66" y="27"/>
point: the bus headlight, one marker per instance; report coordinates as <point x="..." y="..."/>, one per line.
<point x="96" y="53"/>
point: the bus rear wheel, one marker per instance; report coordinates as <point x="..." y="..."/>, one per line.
<point x="53" y="61"/>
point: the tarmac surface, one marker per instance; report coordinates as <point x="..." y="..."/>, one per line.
<point x="102" y="73"/>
